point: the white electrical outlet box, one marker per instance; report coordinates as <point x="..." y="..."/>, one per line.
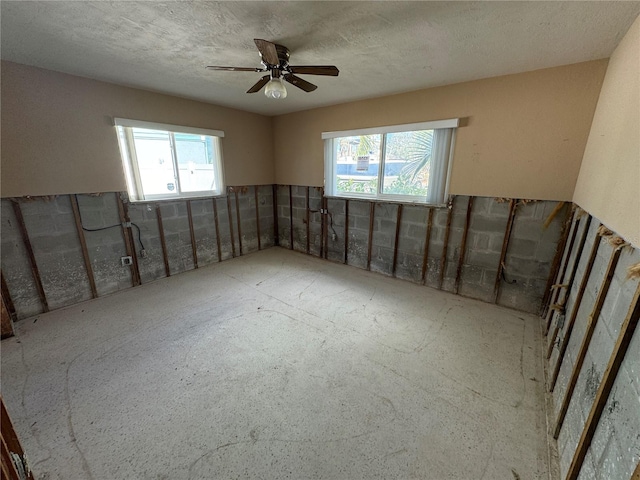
<point x="126" y="261"/>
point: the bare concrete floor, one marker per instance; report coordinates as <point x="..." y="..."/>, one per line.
<point x="279" y="365"/>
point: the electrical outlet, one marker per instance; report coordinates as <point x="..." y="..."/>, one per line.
<point x="334" y="237"/>
<point x="143" y="254"/>
<point x="126" y="261"/>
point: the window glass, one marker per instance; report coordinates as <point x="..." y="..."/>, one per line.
<point x="357" y="163"/>
<point x="153" y="153"/>
<point x="399" y="162"/>
<point x="407" y="161"/>
<point x="161" y="163"/>
<point x="195" y="162"/>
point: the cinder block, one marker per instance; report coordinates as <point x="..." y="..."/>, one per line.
<point x="414" y="214"/>
<point x="478" y="241"/>
<point x="298" y="190"/>
<point x="482" y="205"/>
<point x="385" y="225"/>
<point x="359" y="208"/>
<point x="383" y="239"/>
<point x="361" y="222"/>
<point x="520" y="248"/>
<point x="479" y="292"/>
<point x="411" y="245"/>
<point x="382" y="260"/>
<point x="482" y="259"/>
<point x="416" y="232"/>
<point x="299" y="202"/>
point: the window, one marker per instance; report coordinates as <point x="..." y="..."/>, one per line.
<point x="168" y="161"/>
<point x="402" y="162"/>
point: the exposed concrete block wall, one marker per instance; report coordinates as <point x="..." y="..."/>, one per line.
<point x="265" y="210"/>
<point x="531" y="251"/>
<point x="527" y="265"/>
<point x="53" y="237"/>
<point x="105" y="246"/>
<point x="614" y="450"/>
<point x="15" y="265"/>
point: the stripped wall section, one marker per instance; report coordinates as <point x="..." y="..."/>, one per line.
<point x="425" y="244"/>
<point x="594" y="376"/>
<point x="169" y="238"/>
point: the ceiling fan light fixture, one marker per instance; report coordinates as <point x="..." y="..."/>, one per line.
<point x="275" y="89"/>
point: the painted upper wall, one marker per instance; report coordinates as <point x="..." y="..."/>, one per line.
<point x="524" y="134"/>
<point x="58" y="135"/>
<point x="609" y="182"/>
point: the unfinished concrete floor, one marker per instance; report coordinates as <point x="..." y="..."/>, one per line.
<point x="279" y="365"/>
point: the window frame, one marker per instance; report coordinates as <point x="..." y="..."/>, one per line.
<point x="442" y="150"/>
<point x="130" y="162"/>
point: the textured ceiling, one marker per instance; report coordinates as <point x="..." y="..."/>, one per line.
<point x="379" y="47"/>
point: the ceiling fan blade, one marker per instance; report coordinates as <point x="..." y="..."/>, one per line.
<point x="235" y="69"/>
<point x="315" y="70"/>
<point x="300" y="83"/>
<point x="259" y="84"/>
<point x="267" y="51"/>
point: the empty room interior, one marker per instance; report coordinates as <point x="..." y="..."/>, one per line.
<point x="320" y="240"/>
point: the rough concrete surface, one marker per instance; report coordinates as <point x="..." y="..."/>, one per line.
<point x="279" y="365"/>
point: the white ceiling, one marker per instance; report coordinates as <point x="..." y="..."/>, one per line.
<point x="379" y="47"/>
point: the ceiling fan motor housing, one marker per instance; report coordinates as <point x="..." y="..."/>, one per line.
<point x="283" y="56"/>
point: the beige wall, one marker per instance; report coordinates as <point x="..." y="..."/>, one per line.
<point x="609" y="183"/>
<point x="525" y="135"/>
<point x="57" y="133"/>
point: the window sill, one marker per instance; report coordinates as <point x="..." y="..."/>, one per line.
<point x="177" y="199"/>
<point x="387" y="200"/>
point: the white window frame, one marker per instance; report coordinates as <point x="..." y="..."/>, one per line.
<point x="130" y="163"/>
<point x="443" y="145"/>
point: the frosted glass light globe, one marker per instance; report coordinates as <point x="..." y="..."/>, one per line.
<point x="275" y="89"/>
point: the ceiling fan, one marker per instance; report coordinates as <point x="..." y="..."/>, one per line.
<point x="275" y="60"/>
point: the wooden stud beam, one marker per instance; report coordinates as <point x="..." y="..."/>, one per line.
<point x="276" y="233"/>
<point x="32" y="259"/>
<point x="306" y="198"/>
<point x="192" y="233"/>
<point x="7" y="298"/>
<point x="576" y="308"/>
<point x="395" y="242"/>
<point x="11" y="445"/>
<point x="83" y="245"/>
<point x="513" y="204"/>
<point x="636" y="473"/>
<point x="325" y="203"/>
<point x="6" y="323"/>
<point x="372" y="213"/>
<point x="163" y="243"/>
<point x="129" y="242"/>
<point x="290" y="219"/>
<point x="569" y="283"/>
<point x="235" y="191"/>
<point x="463" y="245"/>
<point x="443" y="260"/>
<point x="606" y="384"/>
<point x="346" y="230"/>
<point x="425" y="254"/>
<point x="217" y="225"/>
<point x="584" y="346"/>
<point x="560" y="279"/>
<point x="255" y="194"/>
<point x="557" y="258"/>
<point x="322" y="225"/>
<point x="230" y="218"/>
